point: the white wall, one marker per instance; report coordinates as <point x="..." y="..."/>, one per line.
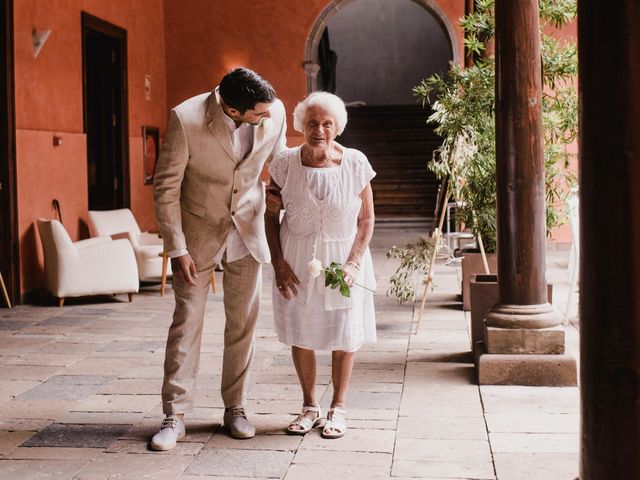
<point x="384" y="48"/>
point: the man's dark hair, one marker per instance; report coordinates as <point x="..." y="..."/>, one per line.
<point x="242" y="89"/>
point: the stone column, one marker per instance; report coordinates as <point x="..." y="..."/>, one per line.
<point x="609" y="60"/>
<point x="524" y="341"/>
<point x="311" y="70"/>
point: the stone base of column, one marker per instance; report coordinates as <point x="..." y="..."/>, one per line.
<point x="542" y="341"/>
<point x="524" y="345"/>
<point x="527" y="369"/>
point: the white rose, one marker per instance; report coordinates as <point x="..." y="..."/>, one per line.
<point x="266" y="124"/>
<point x="315" y="267"/>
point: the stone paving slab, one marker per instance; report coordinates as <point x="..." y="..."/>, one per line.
<point x="11" y="439"/>
<point x="134" y="467"/>
<point x="533" y="422"/>
<point x="436" y="426"/>
<point x="53" y="453"/>
<point x="312" y="472"/>
<point x="12" y="388"/>
<point x="243" y="463"/>
<point x="40" y="469"/>
<point x="106" y="418"/>
<point x="537" y="466"/>
<point x="535" y="442"/>
<point x="332" y="457"/>
<point x="35" y="409"/>
<point x="282" y="443"/>
<point x="465" y="470"/>
<point x="79" y="436"/>
<point x="356" y="440"/>
<point x="118" y="403"/>
<point x="439" y="450"/>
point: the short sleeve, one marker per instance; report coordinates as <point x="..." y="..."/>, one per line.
<point x="279" y="168"/>
<point x="363" y="172"/>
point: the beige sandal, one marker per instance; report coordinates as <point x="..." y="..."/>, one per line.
<point x="303" y="424"/>
<point x="336" y="425"/>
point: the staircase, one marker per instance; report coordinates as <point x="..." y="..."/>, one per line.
<point x="398" y="143"/>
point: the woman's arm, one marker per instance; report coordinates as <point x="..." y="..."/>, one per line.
<point x="366" y="220"/>
<point x="284" y="277"/>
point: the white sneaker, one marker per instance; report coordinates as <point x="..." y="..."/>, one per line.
<point x="171" y="430"/>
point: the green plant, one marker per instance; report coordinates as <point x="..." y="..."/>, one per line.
<point x="463" y="104"/>
<point x="414" y="259"/>
<point x="463" y="111"/>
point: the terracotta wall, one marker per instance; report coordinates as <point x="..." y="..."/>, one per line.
<point x="48" y="102"/>
<point x="265" y="35"/>
<point x="186" y="47"/>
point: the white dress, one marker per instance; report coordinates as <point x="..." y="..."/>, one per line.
<point x="321" y="208"/>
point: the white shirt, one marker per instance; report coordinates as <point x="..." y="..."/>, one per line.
<point x="242" y="142"/>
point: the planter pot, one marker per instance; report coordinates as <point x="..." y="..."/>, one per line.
<point x="472" y="265"/>
<point x="484" y="294"/>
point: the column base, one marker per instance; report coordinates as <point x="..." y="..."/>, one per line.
<point x="523" y="316"/>
<point x="528" y="370"/>
<point x="540" y="341"/>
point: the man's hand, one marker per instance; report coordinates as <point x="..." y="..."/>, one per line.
<point x="274" y="201"/>
<point x="185" y="266"/>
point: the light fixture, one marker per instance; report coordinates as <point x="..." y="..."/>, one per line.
<point x="39" y="38"/>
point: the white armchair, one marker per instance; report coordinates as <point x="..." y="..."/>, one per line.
<point x="89" y="267"/>
<point x="147" y="247"/>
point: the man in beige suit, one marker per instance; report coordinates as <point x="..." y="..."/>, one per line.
<point x="209" y="205"/>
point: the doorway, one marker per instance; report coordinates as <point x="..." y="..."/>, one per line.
<point x="104" y="60"/>
<point x="378" y="51"/>
<point x="9" y="253"/>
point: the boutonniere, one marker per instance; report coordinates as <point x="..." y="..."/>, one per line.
<point x="266" y="125"/>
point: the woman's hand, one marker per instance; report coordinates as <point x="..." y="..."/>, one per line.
<point x="351" y="271"/>
<point x="286" y="279"/>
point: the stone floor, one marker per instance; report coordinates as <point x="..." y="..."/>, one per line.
<point x="79" y="397"/>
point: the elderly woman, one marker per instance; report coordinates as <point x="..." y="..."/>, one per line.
<point x="326" y="194"/>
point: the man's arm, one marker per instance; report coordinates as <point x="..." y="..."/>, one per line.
<point x="168" y="181"/>
<point x="169" y="173"/>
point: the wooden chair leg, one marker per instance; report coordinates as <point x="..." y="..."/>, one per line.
<point x="61" y="302"/>
<point x="213" y="281"/>
<point x="163" y="282"/>
<point x="130" y="297"/>
<point x="6" y="294"/>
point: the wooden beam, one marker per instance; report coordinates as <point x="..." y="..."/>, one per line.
<point x="609" y="62"/>
<point x="520" y="159"/>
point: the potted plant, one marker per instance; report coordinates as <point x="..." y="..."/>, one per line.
<point x="463" y="107"/>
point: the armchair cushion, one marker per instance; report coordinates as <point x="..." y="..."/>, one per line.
<point x="147" y="247"/>
<point x="88" y="267"/>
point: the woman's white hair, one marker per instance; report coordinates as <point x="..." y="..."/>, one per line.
<point x="329" y="102"/>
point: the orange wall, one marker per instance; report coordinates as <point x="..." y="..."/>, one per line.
<point x="265" y="35"/>
<point x="48" y="101"/>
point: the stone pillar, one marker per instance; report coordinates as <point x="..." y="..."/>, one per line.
<point x="609" y="60"/>
<point x="524" y="341"/>
<point x="311" y="70"/>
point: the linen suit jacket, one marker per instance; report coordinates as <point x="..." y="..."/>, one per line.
<point x="198" y="172"/>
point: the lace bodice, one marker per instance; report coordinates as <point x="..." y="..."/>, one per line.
<point x="322" y="201"/>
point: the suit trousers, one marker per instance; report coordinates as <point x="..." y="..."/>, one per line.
<point x="242" y="286"/>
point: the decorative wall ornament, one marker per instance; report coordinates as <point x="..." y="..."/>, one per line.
<point x="39" y="38"/>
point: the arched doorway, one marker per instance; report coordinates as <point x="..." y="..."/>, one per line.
<point x="384" y="48"/>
